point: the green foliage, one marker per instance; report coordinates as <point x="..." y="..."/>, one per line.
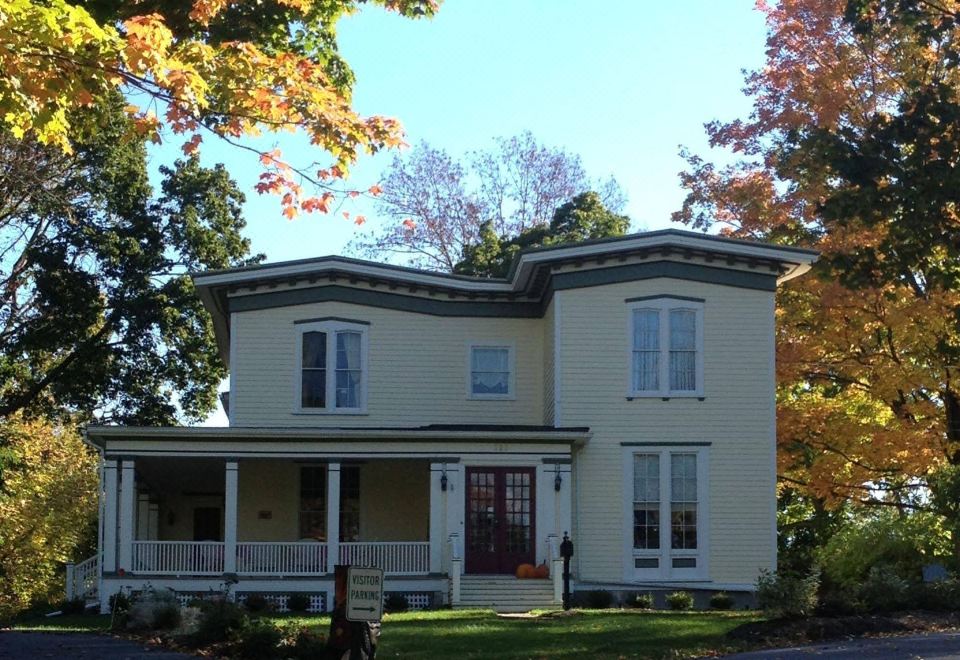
<point x="680" y="600"/>
<point x="642" y="601"/>
<point x="787" y="596"/>
<point x="307" y="645"/>
<point x="583" y="218"/>
<point x="101" y="314"/>
<point x="48" y="510"/>
<point x="298" y="602"/>
<point x="395" y="602"/>
<point x="721" y="601"/>
<point x="885" y="591"/>
<point x="259" y="642"/>
<point x="804" y="525"/>
<point x="899" y="543"/>
<point x="220" y="621"/>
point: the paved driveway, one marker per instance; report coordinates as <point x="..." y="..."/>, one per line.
<point x="77" y="646"/>
<point x="931" y="646"/>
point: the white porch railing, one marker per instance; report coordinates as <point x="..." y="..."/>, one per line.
<point x="266" y="558"/>
<point x="83" y="578"/>
<point x="394" y="557"/>
<point x="177" y="558"/>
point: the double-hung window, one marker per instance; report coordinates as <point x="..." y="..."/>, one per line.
<point x="490" y="372"/>
<point x="666" y="347"/>
<point x="331" y="361"/>
<point x="665" y="512"/>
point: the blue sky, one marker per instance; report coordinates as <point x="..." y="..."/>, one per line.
<point x="622" y="83"/>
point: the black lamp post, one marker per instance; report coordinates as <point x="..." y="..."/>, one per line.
<point x="566" y="551"/>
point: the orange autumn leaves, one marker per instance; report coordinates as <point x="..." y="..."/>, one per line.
<point x="864" y="373"/>
<point x="55" y="57"/>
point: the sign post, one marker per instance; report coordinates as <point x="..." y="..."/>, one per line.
<point x="364" y="594"/>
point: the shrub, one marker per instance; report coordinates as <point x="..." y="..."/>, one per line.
<point x="642" y="601"/>
<point x="119" y="602"/>
<point x="679" y="600"/>
<point x="395" y="602"/>
<point x="220" y="621"/>
<point x="154" y="609"/>
<point x="721" y="601"/>
<point x="943" y="596"/>
<point x="307" y="645"/>
<point x="903" y="543"/>
<point x="598" y="599"/>
<point x="75" y="606"/>
<point x="787" y="595"/>
<point x="256" y="603"/>
<point x="884" y="590"/>
<point x="258" y="642"/>
<point x="298" y="602"/>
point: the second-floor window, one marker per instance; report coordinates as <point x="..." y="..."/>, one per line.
<point x="332" y="367"/>
<point x="491" y="372"/>
<point x="666" y="336"/>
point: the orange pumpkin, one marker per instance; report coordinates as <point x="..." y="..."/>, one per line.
<point x="525" y="571"/>
<point x="541" y="571"/>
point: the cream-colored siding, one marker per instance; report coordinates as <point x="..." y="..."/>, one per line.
<point x="417" y="371"/>
<point x="549" y="328"/>
<point x="736" y="417"/>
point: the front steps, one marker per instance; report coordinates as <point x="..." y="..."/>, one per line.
<point x="505" y="593"/>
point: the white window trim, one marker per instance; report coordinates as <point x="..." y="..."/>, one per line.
<point x="664" y="305"/>
<point x="510" y="347"/>
<point x="331" y="328"/>
<point x="665" y="571"/>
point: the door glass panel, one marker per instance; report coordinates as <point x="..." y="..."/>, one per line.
<point x="517" y="504"/>
<point x="482" y="513"/>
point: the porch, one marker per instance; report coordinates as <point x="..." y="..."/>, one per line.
<point x="267" y="521"/>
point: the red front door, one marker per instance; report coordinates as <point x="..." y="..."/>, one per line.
<point x="500" y="519"/>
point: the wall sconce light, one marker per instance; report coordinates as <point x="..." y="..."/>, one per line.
<point x="443" y="482"/>
<point x="557" y="482"/>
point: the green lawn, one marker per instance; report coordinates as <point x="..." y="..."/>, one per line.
<point x="462" y="634"/>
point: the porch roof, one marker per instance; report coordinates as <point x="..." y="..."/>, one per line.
<point x="100" y="435"/>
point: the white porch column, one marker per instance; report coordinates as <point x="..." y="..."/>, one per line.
<point x="109" y="549"/>
<point x="333" y="516"/>
<point x="230" y="518"/>
<point x="437" y="514"/>
<point x="128" y="495"/>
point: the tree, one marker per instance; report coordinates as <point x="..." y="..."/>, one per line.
<point x="48" y="509"/>
<point x="98" y="316"/>
<point x="582" y="218"/>
<point x="851" y="149"/>
<point x="438" y="205"/>
<point x="229" y="69"/>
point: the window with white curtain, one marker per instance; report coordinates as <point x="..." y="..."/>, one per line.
<point x="490" y="372"/>
<point x="666" y="343"/>
<point x="332" y="365"/>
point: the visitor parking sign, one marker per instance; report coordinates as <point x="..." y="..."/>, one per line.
<point x="364" y="594"/>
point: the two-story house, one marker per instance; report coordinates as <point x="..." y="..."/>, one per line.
<point x="448" y="429"/>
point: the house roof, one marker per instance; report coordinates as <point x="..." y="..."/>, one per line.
<point x="523" y="292"/>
